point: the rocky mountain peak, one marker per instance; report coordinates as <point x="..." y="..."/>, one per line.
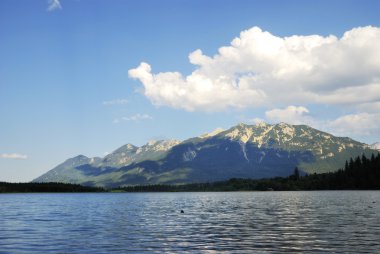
<point x="157" y="145"/>
<point x="211" y="134"/>
<point x="262" y="124"/>
<point x="79" y="159"/>
<point x="125" y="148"/>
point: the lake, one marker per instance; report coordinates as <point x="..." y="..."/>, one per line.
<point x="212" y="222"/>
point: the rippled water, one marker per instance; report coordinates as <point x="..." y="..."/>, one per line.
<point x="234" y="222"/>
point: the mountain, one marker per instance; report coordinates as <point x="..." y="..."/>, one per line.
<point x="129" y="153"/>
<point x="243" y="151"/>
<point x="68" y="171"/>
<point x="375" y="146"/>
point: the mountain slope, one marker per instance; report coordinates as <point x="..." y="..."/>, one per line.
<point x="67" y="172"/>
<point x="74" y="170"/>
<point x="245" y="151"/>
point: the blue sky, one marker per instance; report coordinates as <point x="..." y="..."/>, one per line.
<point x="71" y="81"/>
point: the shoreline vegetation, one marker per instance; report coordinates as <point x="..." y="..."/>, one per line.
<point x="360" y="173"/>
<point x="46" y="187"/>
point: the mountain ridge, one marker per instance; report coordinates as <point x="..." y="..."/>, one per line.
<point x="253" y="151"/>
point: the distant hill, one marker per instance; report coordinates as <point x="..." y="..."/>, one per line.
<point x="243" y="151"/>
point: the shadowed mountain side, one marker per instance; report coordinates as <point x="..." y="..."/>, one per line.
<point x="212" y="160"/>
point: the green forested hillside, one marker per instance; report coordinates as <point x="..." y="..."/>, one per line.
<point x="361" y="173"/>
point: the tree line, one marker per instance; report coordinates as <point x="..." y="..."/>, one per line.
<point x="45" y="187"/>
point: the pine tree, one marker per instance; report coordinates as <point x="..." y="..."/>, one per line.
<point x="351" y="164"/>
<point x="364" y="160"/>
<point x="372" y="158"/>
<point x="346" y="166"/>
<point x="296" y="174"/>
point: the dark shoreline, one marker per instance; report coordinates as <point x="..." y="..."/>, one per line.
<point x="46" y="188"/>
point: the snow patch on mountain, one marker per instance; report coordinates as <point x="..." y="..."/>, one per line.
<point x="327" y="156"/>
<point x="262" y="156"/>
<point x="244" y="150"/>
<point x="341" y="148"/>
<point x="375" y="146"/>
<point x="189" y="155"/>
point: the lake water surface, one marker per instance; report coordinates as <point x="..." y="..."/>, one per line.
<point x="233" y="222"/>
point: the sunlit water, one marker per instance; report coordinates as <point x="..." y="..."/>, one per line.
<point x="234" y="222"/>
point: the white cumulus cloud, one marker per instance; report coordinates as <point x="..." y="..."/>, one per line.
<point x="361" y="124"/>
<point x="14" y="156"/>
<point x="54" y="5"/>
<point x="262" y="69"/>
<point x="351" y="125"/>
<point x="290" y="114"/>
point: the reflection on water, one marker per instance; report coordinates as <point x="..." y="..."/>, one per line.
<point x="235" y="222"/>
